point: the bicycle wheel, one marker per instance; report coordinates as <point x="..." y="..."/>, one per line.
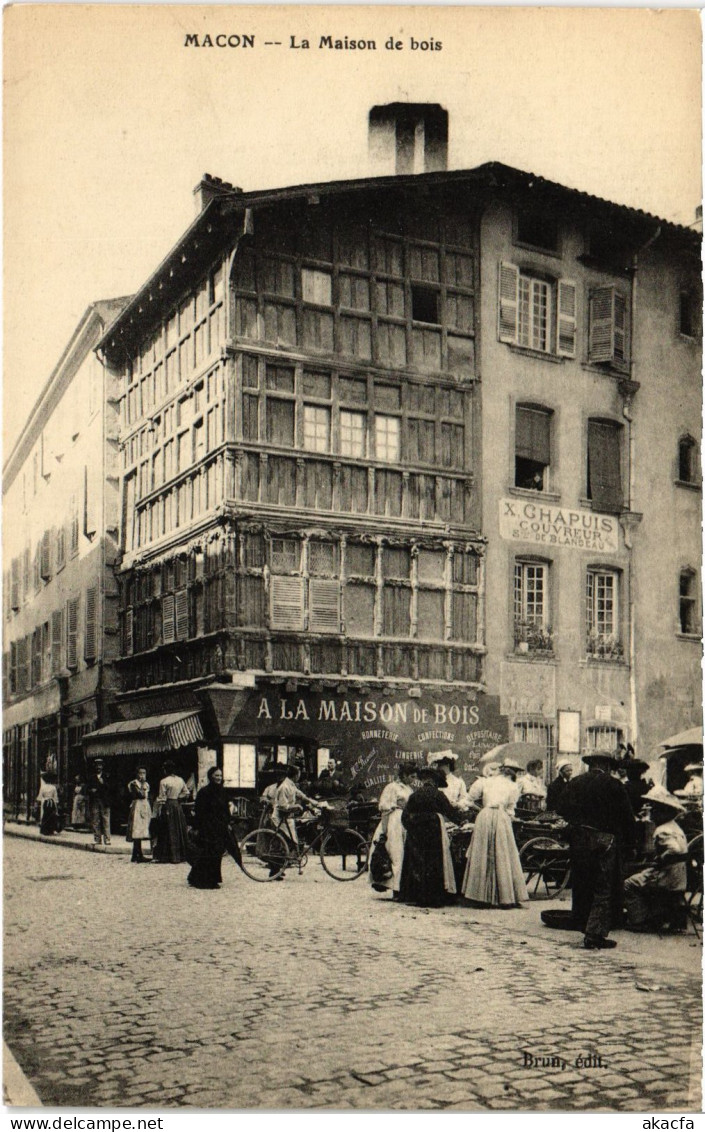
<point x="344" y="854"/>
<point x="264" y="855"/>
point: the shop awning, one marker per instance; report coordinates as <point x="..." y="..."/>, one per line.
<point x="148" y="735"/>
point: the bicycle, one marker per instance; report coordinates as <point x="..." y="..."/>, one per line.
<point x="267" y="853"/>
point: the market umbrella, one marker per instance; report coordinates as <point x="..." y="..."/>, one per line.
<point x="690" y="741"/>
<point x="520" y="753"/>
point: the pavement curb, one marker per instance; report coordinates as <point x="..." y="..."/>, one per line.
<point x="17" y="1091"/>
<point x="30" y="833"/>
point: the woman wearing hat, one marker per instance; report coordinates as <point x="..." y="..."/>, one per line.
<point x="455" y="789"/>
<point x="557" y="788"/>
<point x="654" y="896"/>
<point x="493" y="875"/>
<point x="427" y="876"/>
<point x="391" y="803"/>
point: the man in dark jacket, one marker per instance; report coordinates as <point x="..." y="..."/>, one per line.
<point x="99" y="793"/>
<point x="602" y="827"/>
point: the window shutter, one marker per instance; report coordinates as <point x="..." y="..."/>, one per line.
<point x="533" y="435"/>
<point x="508" y="302"/>
<point x="46" y="650"/>
<point x="46" y="555"/>
<point x="168" y="619"/>
<point x="5" y="676"/>
<point x="89" y="644"/>
<point x="287" y="603"/>
<point x="15" y="596"/>
<point x="90" y="506"/>
<point x="604" y="465"/>
<point x="621" y="335"/>
<point x="25" y="679"/>
<point x="324" y="605"/>
<point x="14" y="666"/>
<point x="72" y="633"/>
<point x="129" y="630"/>
<point x="567" y="318"/>
<point x="600" y="343"/>
<point x="182" y="618"/>
<point x="57" y="640"/>
<point x="36" y="676"/>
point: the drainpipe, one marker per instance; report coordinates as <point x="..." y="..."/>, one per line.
<point x="627" y="528"/>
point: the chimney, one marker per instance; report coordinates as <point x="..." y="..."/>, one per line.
<point x="408" y="137"/>
<point x="208" y="188"/>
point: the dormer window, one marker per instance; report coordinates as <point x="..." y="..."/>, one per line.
<point x="537" y="229"/>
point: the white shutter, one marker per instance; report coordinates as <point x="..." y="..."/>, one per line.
<point x="57" y="640"/>
<point x="46" y="555"/>
<point x="287" y="603"/>
<point x="324" y="605"/>
<point x="507" y="302"/>
<point x="567" y="318"/>
<point x="601" y="347"/>
<point x="168" y="619"/>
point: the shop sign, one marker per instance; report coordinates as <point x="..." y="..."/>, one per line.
<point x="523" y="520"/>
<point x="371" y="733"/>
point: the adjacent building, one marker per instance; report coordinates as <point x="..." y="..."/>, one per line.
<point x="590" y="356"/>
<point x="60" y="542"/>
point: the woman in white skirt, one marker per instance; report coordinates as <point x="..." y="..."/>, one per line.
<point x="493" y="875"/>
<point x="391" y="803"/>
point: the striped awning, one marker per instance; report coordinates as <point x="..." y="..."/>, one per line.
<point x="148" y="735"/>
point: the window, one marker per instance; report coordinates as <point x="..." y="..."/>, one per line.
<point x="538" y="229"/>
<point x="602" y="627"/>
<point x="687" y="314"/>
<point x="688" y="471"/>
<point x="316" y="287"/>
<point x="604" y="470"/>
<point x="280" y="422"/>
<point x="537" y="313"/>
<point x="424" y="304"/>
<point x="73" y="543"/>
<point x="532" y="448"/>
<point x="387" y="446"/>
<point x="353" y="433"/>
<point x="688" y="603"/>
<point x="604" y="737"/>
<point x="538" y="733"/>
<point x="532" y="632"/>
<point x="609" y="328"/>
<point x="239" y="766"/>
<point x="316" y="428"/>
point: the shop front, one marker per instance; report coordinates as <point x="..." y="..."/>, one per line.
<point x="367" y="732"/>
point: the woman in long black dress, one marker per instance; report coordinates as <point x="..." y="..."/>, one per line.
<point x="212" y="818"/>
<point x="427" y="876"/>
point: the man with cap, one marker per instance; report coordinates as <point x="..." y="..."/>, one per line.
<point x="602" y="827"/>
<point x="455" y="789"/>
<point x="98" y="791"/>
<point x="653" y="896"/>
<point x="557" y="788"/>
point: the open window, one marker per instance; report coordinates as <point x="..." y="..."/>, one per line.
<point x="532" y="448"/>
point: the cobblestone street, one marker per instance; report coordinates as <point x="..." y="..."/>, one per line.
<point x="123" y="987"/>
